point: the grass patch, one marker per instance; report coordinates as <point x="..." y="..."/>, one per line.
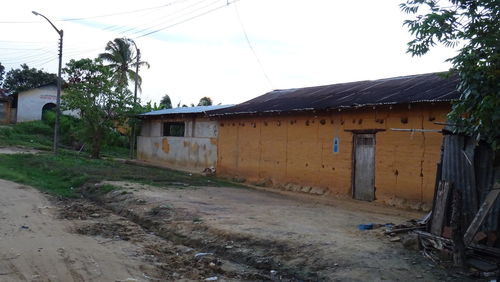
<point x="63" y="174"/>
<point x="106" y="188"/>
<point x="39" y="135"/>
<point x="36" y="134"/>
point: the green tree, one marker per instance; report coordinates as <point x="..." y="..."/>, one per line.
<point x="205" y="101"/>
<point x="165" y="102"/>
<point x="149" y="107"/>
<point x="2" y="72"/>
<point x="24" y="78"/>
<point x="122" y="59"/>
<point x="102" y="103"/>
<point x="473" y="27"/>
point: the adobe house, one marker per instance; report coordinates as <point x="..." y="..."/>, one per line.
<point x="182" y="138"/>
<point x="370" y="140"/>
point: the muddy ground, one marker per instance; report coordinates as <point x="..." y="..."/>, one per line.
<point x="143" y="233"/>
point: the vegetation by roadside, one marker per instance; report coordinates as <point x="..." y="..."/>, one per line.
<point x="35" y="135"/>
<point x="63" y="174"/>
<point x="39" y="135"/>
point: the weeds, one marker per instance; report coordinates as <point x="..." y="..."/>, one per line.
<point x="64" y="173"/>
<point x="39" y="135"/>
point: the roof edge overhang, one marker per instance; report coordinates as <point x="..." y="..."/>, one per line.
<point x="324" y="110"/>
<point x="173" y="116"/>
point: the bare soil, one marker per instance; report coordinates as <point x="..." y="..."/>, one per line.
<point x="143" y="233"/>
<point x="36" y="246"/>
<point x="18" y="150"/>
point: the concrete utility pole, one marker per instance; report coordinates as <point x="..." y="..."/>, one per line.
<point x="59" y="81"/>
<point x="136" y="78"/>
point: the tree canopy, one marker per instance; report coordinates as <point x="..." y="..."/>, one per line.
<point x="205" y="101"/>
<point x="24" y="78"/>
<point x="474" y="28"/>
<point x="165" y="102"/>
<point x="2" y="72"/>
<point x="122" y="59"/>
<point x="103" y="105"/>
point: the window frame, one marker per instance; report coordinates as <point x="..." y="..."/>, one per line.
<point x="167" y="128"/>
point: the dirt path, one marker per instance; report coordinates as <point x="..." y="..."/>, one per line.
<point x="36" y="246"/>
<point x="143" y="233"/>
<point x="18" y="150"/>
<point x="298" y="236"/>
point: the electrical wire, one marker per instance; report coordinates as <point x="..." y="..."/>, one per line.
<point x="251" y="47"/>
<point x="186" y="20"/>
<point x="121" y="13"/>
<point x="78" y="51"/>
<point x="185" y="14"/>
<point x="98" y="16"/>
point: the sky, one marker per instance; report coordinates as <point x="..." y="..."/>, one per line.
<point x="229" y="50"/>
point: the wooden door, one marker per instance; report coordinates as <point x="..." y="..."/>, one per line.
<point x="364" y="167"/>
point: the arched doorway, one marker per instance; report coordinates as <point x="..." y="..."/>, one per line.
<point x="49" y="107"/>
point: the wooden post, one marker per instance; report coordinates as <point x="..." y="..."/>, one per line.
<point x="456" y="227"/>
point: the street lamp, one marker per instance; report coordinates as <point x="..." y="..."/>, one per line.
<point x="138" y="56"/>
<point x="58" y="97"/>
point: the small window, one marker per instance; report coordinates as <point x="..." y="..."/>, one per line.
<point x="336" y="144"/>
<point x="173" y="129"/>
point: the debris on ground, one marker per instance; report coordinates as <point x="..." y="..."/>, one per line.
<point x="441" y="237"/>
<point x="203" y="254"/>
<point x="209" y="171"/>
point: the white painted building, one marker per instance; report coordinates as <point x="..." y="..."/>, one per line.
<point x="181" y="138"/>
<point x="33" y="102"/>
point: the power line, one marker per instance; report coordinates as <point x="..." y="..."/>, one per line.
<point x="188" y="19"/>
<point x="98" y="16"/>
<point x="123" y="30"/>
<point x="177" y="17"/>
<point x="85" y="51"/>
<point x="21" y="49"/>
<point x="24" y="42"/>
<point x="121" y="13"/>
<point x="251" y="47"/>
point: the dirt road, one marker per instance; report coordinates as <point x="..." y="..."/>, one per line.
<point x="306" y="238"/>
<point x="143" y="233"/>
<point x="36" y="246"/>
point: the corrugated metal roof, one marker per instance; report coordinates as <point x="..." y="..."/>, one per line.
<point x="185" y="110"/>
<point x="398" y="90"/>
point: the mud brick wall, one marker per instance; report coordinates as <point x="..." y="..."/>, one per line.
<point x="297" y="150"/>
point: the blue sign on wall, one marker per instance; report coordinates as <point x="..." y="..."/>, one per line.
<point x="336" y="144"/>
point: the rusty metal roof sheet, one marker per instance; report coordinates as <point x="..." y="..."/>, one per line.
<point x="398" y="90"/>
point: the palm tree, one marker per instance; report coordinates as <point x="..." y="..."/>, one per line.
<point x="122" y="58"/>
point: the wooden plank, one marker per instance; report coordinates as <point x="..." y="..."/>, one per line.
<point x="481" y="216"/>
<point x="447" y="242"/>
<point x="406" y="229"/>
<point x="436" y="186"/>
<point x="440" y="207"/>
<point x="457" y="229"/>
